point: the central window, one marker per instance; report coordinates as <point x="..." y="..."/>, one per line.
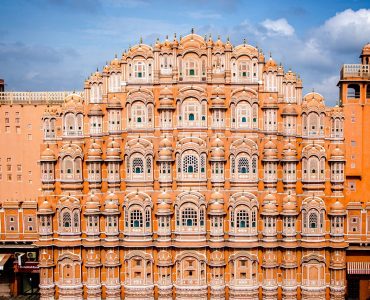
<point x="190" y="164"/>
<point x="189" y="217"/>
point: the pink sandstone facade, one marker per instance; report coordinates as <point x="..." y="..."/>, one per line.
<point x="193" y="169"/>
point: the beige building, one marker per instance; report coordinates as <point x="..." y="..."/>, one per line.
<point x="192" y="169"/>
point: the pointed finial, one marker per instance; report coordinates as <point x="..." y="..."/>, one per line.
<point x="270" y="55"/>
<point x="115" y="55"/>
<point x="97" y="69"/>
<point x="192" y="30"/>
<point x="219" y="37"/>
<point x="245" y="41"/>
<point x="228" y="39"/>
<point x="141" y="40"/>
<point x="174" y="35"/>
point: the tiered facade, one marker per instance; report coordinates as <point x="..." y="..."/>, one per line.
<point x="192" y="169"/>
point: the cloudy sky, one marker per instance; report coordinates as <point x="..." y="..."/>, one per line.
<point x="55" y="44"/>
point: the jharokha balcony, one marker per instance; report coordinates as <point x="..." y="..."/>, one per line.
<point x="355" y="70"/>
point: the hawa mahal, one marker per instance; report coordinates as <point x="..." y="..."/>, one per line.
<point x="190" y="169"/>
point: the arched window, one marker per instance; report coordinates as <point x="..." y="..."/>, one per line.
<point x="139" y="70"/>
<point x="190" y="164"/>
<point x="313" y="220"/>
<point x="137" y="165"/>
<point x="353" y="91"/>
<point x="191" y="68"/>
<point x="66" y="217"/>
<point x="243" y="165"/>
<point x="189" y="217"/>
<point x="242" y="219"/>
<point x="67" y="171"/>
<point x="69" y="124"/>
<point x="136" y="217"/>
<point x="138" y="115"/>
<point x="76" y="219"/>
<point x="244" y="70"/>
<point x="244" y="115"/>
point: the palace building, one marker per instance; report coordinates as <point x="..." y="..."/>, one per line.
<point x="195" y="169"/>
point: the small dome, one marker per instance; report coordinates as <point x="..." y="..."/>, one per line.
<point x="45" y="206"/>
<point x="95" y="110"/>
<point x="289" y="109"/>
<point x="115" y="62"/>
<point x="216" y="207"/>
<point x="93" y="198"/>
<point x="111" y="205"/>
<point x="113" y="148"/>
<point x="112" y="197"/>
<point x="269" y="198"/>
<point x="337" y="208"/>
<point x="289" y="207"/>
<point x="269" y="208"/>
<point x="217" y="196"/>
<point x="270" y="145"/>
<point x="48" y="154"/>
<point x="163" y="207"/>
<point x="219" y="43"/>
<point x="94" y="150"/>
<point x="166" y="102"/>
<point x="270" y="65"/>
<point x="217" y="142"/>
<point x="165" y="143"/>
<point x="337" y="152"/>
<point x="218" y="153"/>
<point x="92" y="205"/>
<point x="164" y="196"/>
<point x="165" y="154"/>
<point x="114" y="102"/>
<point x="289" y="198"/>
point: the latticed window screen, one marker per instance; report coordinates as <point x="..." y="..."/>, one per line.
<point x="67" y="219"/>
<point x="242" y="219"/>
<point x="147" y="218"/>
<point x="203" y="163"/>
<point x="243" y="165"/>
<point x="76" y="219"/>
<point x="136" y="218"/>
<point x="189" y="217"/>
<point x="313" y="220"/>
<point x="201" y="217"/>
<point x="254" y="164"/>
<point x="254" y="218"/>
<point x="190" y="164"/>
<point x="137" y="165"/>
<point x="148" y="165"/>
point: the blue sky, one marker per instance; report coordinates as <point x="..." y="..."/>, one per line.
<point x="56" y="44"/>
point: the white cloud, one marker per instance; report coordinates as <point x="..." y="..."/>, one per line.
<point x="346" y="31"/>
<point x="279" y="27"/>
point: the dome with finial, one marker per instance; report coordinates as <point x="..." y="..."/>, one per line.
<point x="217" y="142"/>
<point x="269" y="209"/>
<point x="166" y="99"/>
<point x="165" y="143"/>
<point x="111" y="196"/>
<point x="216" y="208"/>
<point x="111" y="206"/>
<point x="218" y="153"/>
<point x="163" y="209"/>
<point x="336" y="154"/>
<point x="94" y="151"/>
<point x="289" y="152"/>
<point x="270" y="151"/>
<point x="114" y="102"/>
<point x="365" y="50"/>
<point x="289" y="110"/>
<point x="290" y="208"/>
<point x="269" y="198"/>
<point x="45" y="207"/>
<point x="116" y="63"/>
<point x="270" y="65"/>
<point x="217" y="196"/>
<point x="95" y="110"/>
<point x="337" y="209"/>
<point x="289" y="198"/>
<point x="165" y="154"/>
<point x="113" y="149"/>
<point x="48" y="155"/>
<point x="165" y="196"/>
